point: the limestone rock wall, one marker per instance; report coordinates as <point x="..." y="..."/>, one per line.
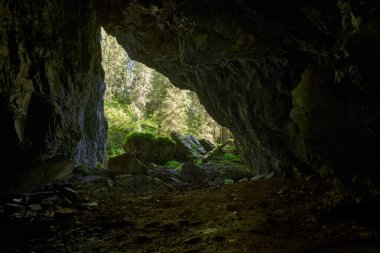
<point x="51" y="88"/>
<point x="292" y="80"/>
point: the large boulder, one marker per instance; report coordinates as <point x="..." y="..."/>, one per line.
<point x="188" y="148"/>
<point x="127" y="164"/>
<point x="149" y="148"/>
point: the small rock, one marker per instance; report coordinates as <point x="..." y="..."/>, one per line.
<point x="49" y="214"/>
<point x="228" y="181"/>
<point x="257" y="177"/>
<point x="30" y="214"/>
<point x="219" y="180"/>
<point x="177" y="182"/>
<point x="283" y="190"/>
<point x="19" y="200"/>
<point x="19" y="215"/>
<point x="109" y="183"/>
<point x="193" y="240"/>
<point x="90" y="204"/>
<point x="269" y="175"/>
<point x="48" y="202"/>
<point x="65" y="211"/>
<point x="71" y="195"/>
<point x="69" y="202"/>
<point x="243" y="180"/>
<point x="35" y="207"/>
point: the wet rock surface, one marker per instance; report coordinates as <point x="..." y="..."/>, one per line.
<point x="261" y="216"/>
<point x="51" y="105"/>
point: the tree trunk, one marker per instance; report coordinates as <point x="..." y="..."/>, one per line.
<point x="225" y="135"/>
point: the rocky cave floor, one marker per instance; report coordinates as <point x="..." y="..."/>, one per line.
<point x="89" y="214"/>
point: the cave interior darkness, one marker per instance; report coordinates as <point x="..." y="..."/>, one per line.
<point x="296" y="82"/>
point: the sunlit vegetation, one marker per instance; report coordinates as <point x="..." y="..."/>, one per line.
<point x="173" y="164"/>
<point x="140" y="99"/>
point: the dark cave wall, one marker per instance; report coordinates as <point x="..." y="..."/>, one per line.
<point x="294" y="81"/>
<point x="51" y="90"/>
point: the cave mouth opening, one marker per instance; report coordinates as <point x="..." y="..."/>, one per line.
<point x="140" y="102"/>
<point x="149" y="101"/>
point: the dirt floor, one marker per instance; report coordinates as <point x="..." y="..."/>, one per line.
<point x="269" y="215"/>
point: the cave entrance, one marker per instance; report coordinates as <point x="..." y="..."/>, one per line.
<point x="140" y="99"/>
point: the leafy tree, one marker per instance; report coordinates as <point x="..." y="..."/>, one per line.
<point x="115" y="62"/>
<point x="140" y="88"/>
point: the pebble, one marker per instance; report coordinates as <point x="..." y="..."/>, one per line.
<point x="71" y="194"/>
<point x="35" y="207"/>
<point x="65" y="211"/>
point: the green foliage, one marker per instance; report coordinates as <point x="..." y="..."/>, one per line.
<point x="115" y="62"/>
<point x="232" y="157"/>
<point x="173" y="164"/>
<point x="198" y="162"/>
<point x="149" y="124"/>
<point x="151" y="137"/>
<point x="121" y="121"/>
<point x="229" y="157"/>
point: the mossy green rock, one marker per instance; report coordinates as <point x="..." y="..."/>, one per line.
<point x="149" y="148"/>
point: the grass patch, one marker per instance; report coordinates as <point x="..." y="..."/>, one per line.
<point x="230" y="158"/>
<point x="173" y="164"/>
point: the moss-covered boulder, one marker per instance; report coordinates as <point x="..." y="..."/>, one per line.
<point x="149" y="148"/>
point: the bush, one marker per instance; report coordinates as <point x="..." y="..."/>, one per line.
<point x="231" y="156"/>
<point x="121" y="120"/>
